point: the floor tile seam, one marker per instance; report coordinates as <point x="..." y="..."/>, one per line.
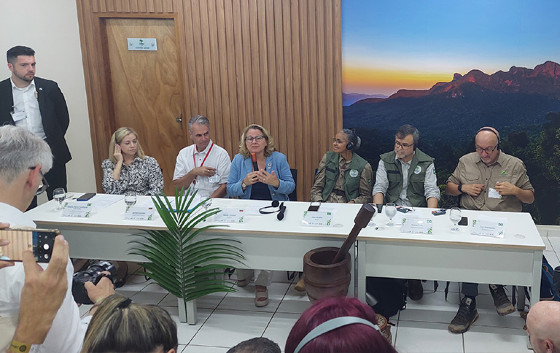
<point x="205" y="321"/>
<point x="278" y="307"/>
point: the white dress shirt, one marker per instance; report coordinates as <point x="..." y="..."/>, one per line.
<point x="26" y="112"/>
<point x="189" y="158"/>
<point x="67" y="332"/>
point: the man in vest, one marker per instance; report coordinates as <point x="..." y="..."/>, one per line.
<point x="488" y="180"/>
<point x="406" y="176"/>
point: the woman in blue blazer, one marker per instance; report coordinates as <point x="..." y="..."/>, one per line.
<point x="272" y="180"/>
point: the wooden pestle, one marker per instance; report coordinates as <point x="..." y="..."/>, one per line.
<point x="361" y="221"/>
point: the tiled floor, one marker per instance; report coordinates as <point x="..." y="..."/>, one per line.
<point x="225" y="320"/>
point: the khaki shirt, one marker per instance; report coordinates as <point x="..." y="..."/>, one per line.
<point x="471" y="170"/>
<point x="365" y="183"/>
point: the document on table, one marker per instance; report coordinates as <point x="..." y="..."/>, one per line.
<point x="104" y="200"/>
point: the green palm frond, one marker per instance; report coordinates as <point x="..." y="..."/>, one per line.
<point x="181" y="259"/>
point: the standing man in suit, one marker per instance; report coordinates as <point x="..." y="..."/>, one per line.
<point x="39" y="106"/>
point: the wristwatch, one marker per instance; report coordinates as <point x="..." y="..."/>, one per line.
<point x="460" y="187"/>
<point x="243" y="185"/>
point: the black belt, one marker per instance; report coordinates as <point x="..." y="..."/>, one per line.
<point x="339" y="192"/>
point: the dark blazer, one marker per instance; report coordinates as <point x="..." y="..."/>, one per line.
<point x="54" y="114"/>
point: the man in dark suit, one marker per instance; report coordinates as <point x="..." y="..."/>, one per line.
<point x="39" y="106"/>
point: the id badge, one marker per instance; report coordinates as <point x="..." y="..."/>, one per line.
<point x="494" y="194"/>
<point x="17" y="116"/>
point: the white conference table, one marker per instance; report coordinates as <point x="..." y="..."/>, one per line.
<point x="267" y="243"/>
<point x="515" y="259"/>
<point x="381" y="251"/>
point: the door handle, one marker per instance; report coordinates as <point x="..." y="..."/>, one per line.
<point x="179" y="119"/>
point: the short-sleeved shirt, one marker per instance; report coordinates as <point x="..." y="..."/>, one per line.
<point x="472" y="170"/>
<point x="217" y="157"/>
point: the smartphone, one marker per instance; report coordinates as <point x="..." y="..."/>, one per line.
<point x="464" y="221"/>
<point x="86" y="197"/>
<point x="314" y="206"/>
<point x="40" y="241"/>
<point x="403" y="209"/>
<point x="438" y="212"/>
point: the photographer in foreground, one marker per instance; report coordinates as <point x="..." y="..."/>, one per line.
<point x="49" y="319"/>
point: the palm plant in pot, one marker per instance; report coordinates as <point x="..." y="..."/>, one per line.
<point x="180" y="259"/>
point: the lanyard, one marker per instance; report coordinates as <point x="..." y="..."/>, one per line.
<point x="204" y="160"/>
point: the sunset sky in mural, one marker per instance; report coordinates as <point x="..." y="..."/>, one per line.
<point x="392" y="44"/>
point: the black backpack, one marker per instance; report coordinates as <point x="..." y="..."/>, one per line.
<point x="388" y="294"/>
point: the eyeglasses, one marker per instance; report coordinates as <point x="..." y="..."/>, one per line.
<point x="487" y="149"/>
<point x="44" y="184"/>
<point x="256" y="138"/>
<point x="339" y="141"/>
<point x="403" y="145"/>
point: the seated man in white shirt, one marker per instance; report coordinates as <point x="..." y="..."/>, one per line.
<point x="24" y="159"/>
<point x="203" y="166"/>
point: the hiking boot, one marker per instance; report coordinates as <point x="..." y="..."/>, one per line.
<point x="501" y="301"/>
<point x="300" y="285"/>
<point x="415" y="290"/>
<point x="465" y="317"/>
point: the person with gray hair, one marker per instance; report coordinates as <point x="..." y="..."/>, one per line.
<point x="202" y="166"/>
<point x="406" y="176"/>
<point x="24" y="159"/>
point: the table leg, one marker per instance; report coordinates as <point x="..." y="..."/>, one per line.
<point x="361" y="277"/>
<point x="537" y="268"/>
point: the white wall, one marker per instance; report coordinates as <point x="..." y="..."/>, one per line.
<point x="51" y="29"/>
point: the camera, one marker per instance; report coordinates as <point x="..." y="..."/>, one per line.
<point x="92" y="274"/>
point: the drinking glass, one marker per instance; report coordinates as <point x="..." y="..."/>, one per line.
<point x="129" y="200"/>
<point x="371" y="222"/>
<point x="455" y="217"/>
<point x="207" y="204"/>
<point x="59" y="195"/>
<point x="390" y="211"/>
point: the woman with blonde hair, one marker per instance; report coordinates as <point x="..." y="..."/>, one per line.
<point x="118" y="325"/>
<point x="271" y="181"/>
<point x="128" y="169"/>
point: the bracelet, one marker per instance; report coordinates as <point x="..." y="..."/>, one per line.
<point x="460" y="188"/>
<point x="18" y="347"/>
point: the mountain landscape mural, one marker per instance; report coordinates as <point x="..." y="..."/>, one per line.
<point x="522" y="103"/>
<point x="520" y="97"/>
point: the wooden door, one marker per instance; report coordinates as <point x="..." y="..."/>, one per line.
<point x="146" y="88"/>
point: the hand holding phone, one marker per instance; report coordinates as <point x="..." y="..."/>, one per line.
<point x="43" y="293"/>
<point x="39" y="241"/>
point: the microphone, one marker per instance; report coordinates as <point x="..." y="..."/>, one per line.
<point x="254" y="159"/>
<point x="281" y="212"/>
